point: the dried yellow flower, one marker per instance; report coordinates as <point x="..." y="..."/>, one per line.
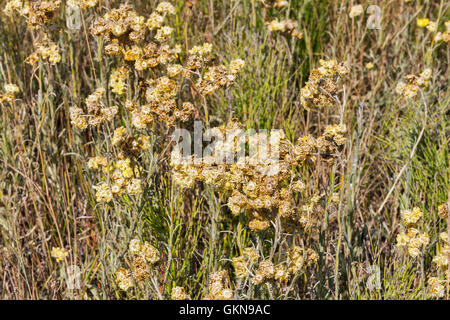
<point x="59" y="253"/>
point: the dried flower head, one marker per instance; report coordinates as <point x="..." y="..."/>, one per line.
<point x="218" y="287"/>
<point x="124" y="279"/>
<point x="262" y="184"/>
<point x="443" y="211"/>
<point x="412" y="84"/>
<point x="179" y="293"/>
<point x="436" y="287"/>
<point x="322" y="85"/>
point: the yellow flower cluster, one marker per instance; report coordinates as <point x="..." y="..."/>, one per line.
<point x="436" y="287"/>
<point x="20" y="6"/>
<point x="124" y="172"/>
<point x="251" y="254"/>
<point x="59" y="253"/>
<point x="322" y="85"/>
<point x="216" y="77"/>
<point x="199" y="57"/>
<point x="370" y="65"/>
<point x="432" y="26"/>
<point x="9" y="93"/>
<point x="165" y="7"/>
<point x="130" y="146"/>
<point x="162" y="104"/>
<point x="144" y="250"/>
<point x="124" y="279"/>
<point x="288" y="26"/>
<point x="77" y="118"/>
<point x="242" y="264"/>
<point x="411" y="217"/>
<point x="179" y="293"/>
<point x="97" y="163"/>
<point x="118" y="79"/>
<point x="442" y="257"/>
<point x="96" y="112"/>
<point x="41" y="12"/>
<point x="126" y="35"/>
<point x="413" y="239"/>
<point x="167" y="112"/>
<point x="423" y="22"/>
<point x="264" y="273"/>
<point x="412" y="84"/>
<point x="218" y="287"/>
<point x="124" y="178"/>
<point x="444" y="36"/>
<point x="104" y="193"/>
<point x="297" y="260"/>
<point x="46" y="50"/>
<point x="240" y="267"/>
<point x="202" y="50"/>
<point x="125" y="30"/>
<point x="262" y="184"/>
<point x="443" y="211"/>
<point x="120" y="25"/>
<point x="332" y="140"/>
<point x="37" y="12"/>
<point x="145" y="256"/>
